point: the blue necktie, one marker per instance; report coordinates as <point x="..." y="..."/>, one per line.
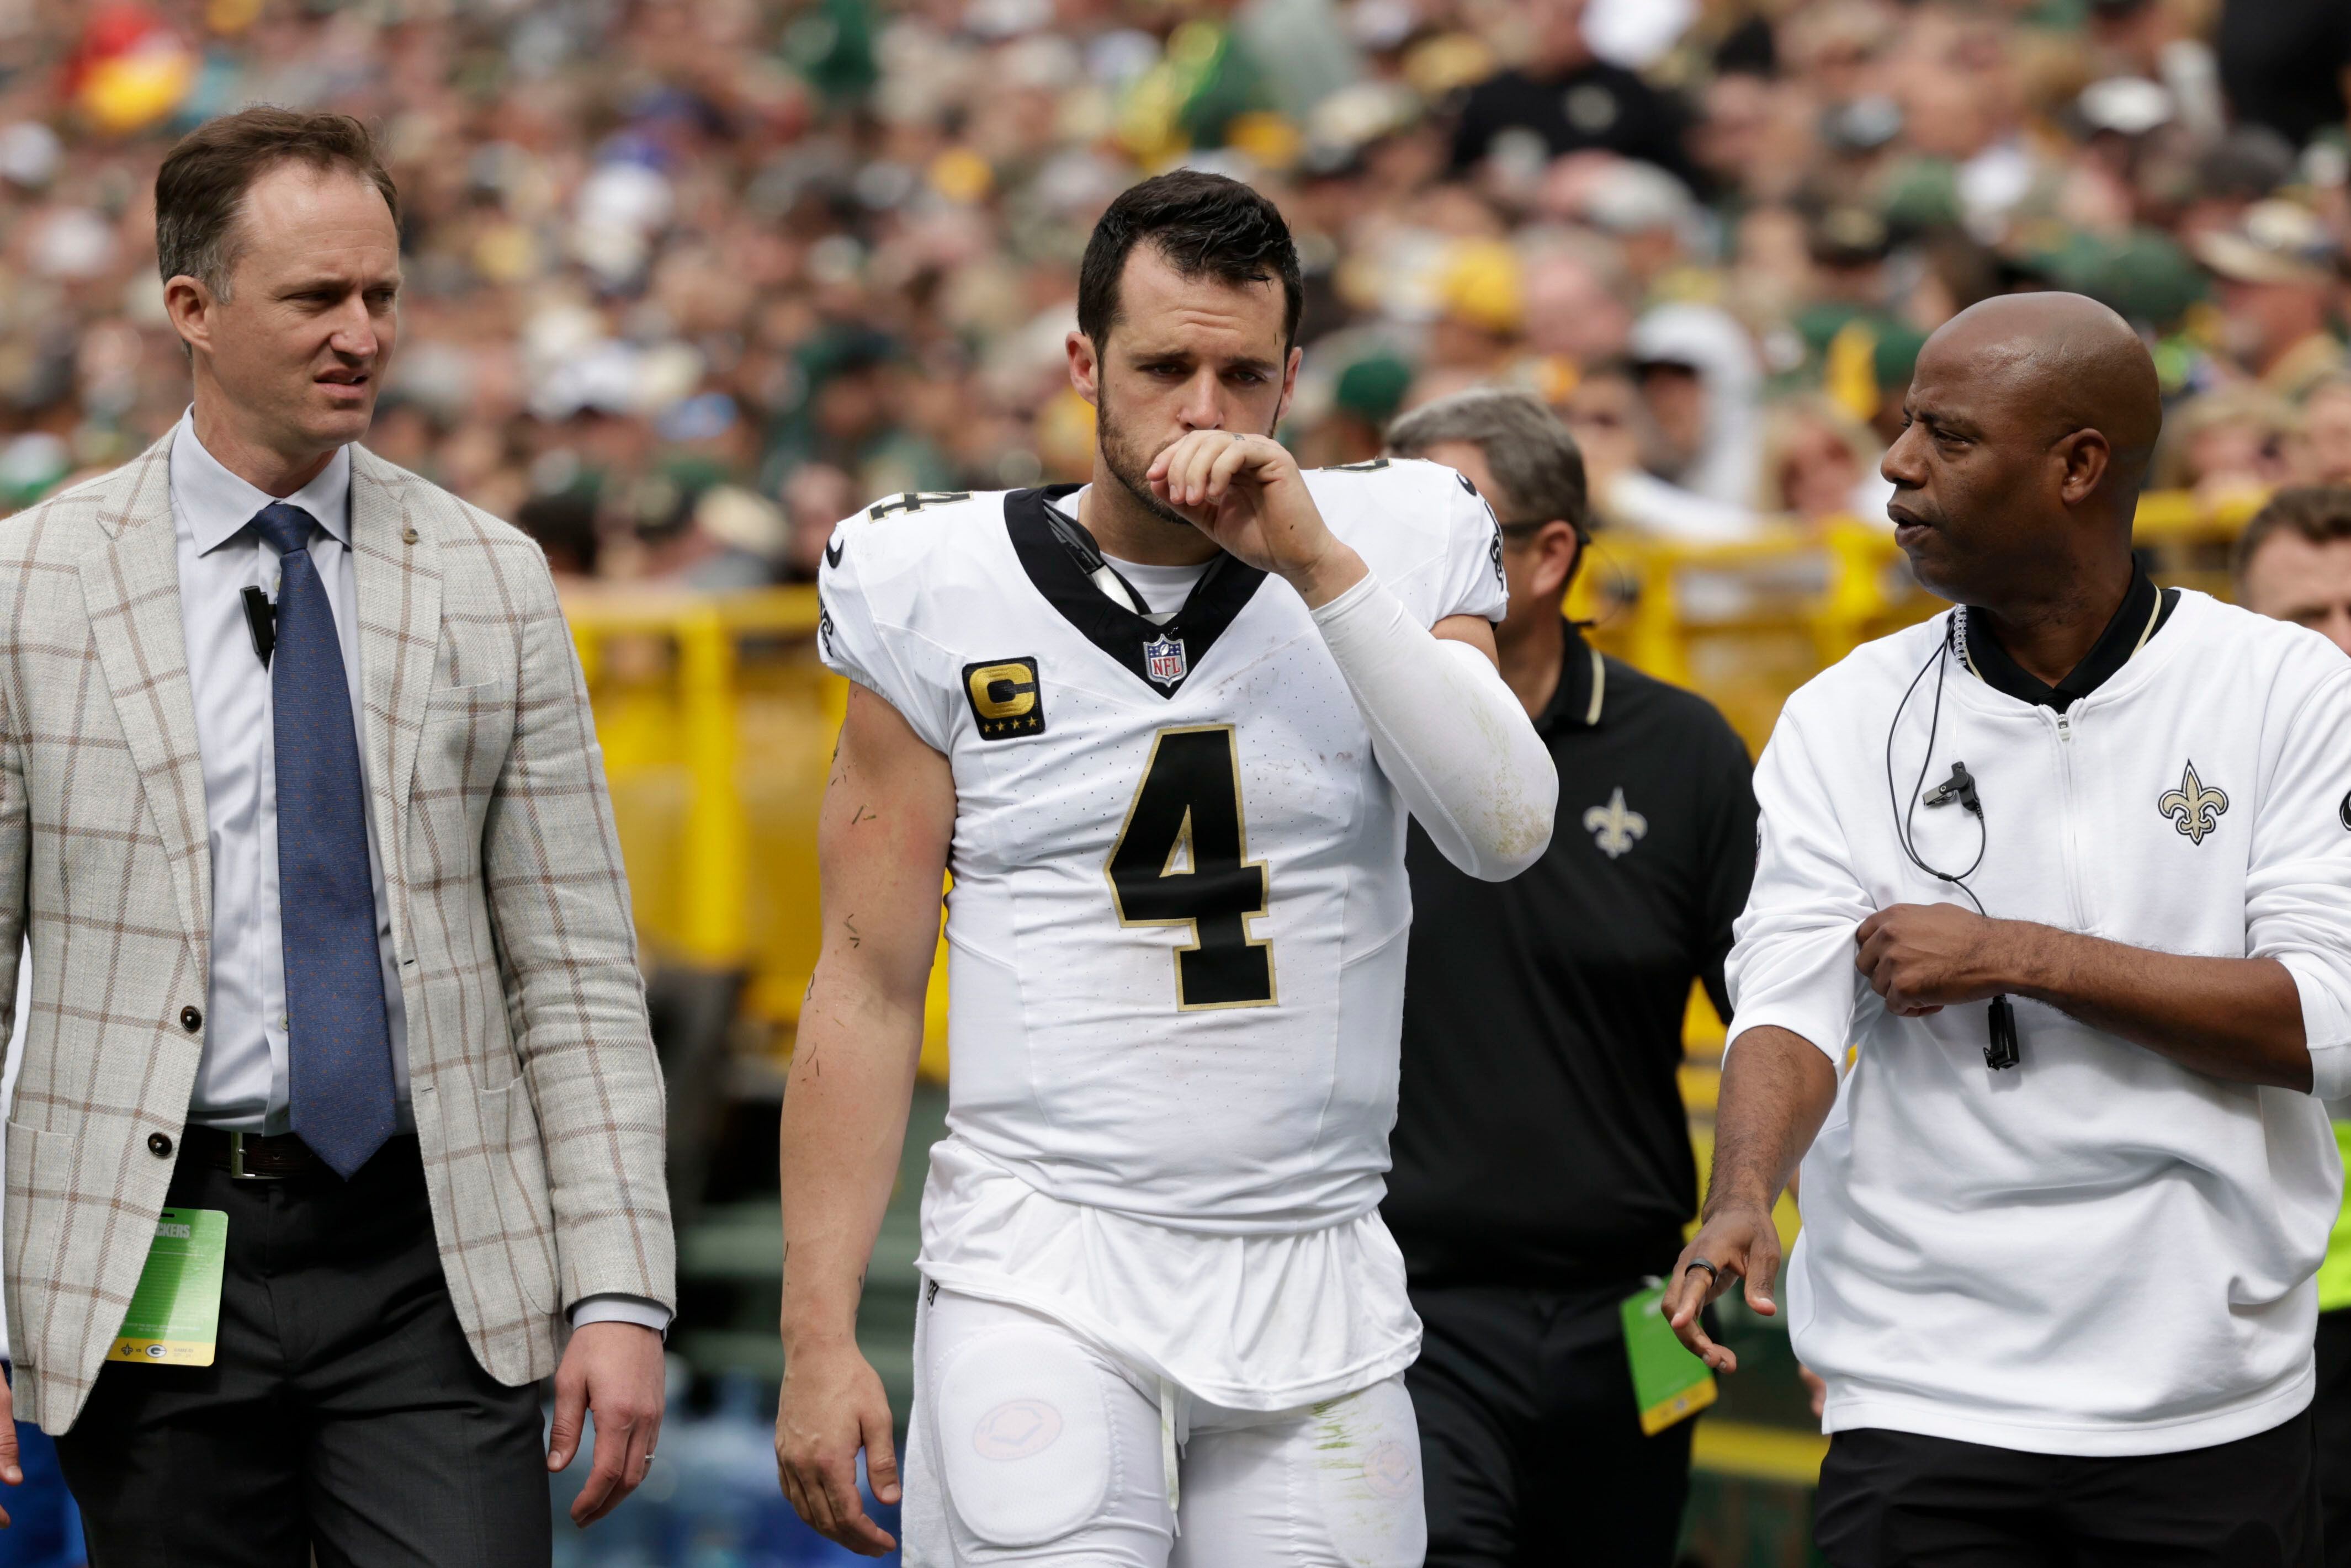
<point x="339" y="1044"/>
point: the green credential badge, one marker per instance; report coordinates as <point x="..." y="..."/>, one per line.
<point x="174" y="1316"/>
<point x="1669" y="1383"/>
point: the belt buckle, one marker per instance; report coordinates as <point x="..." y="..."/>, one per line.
<point x="236" y="1171"/>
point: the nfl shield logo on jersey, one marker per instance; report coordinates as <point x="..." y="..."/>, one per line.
<point x="1163" y="660"/>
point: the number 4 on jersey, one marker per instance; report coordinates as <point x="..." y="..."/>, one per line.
<point x="1182" y="859"/>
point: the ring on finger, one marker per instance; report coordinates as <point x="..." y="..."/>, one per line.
<point x="1701" y="1263"/>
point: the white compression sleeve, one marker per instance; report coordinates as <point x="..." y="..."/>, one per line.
<point x="1447" y="731"/>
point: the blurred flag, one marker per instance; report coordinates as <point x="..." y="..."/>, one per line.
<point x="129" y="69"/>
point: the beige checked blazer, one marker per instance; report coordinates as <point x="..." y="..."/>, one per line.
<point x="538" y="1099"/>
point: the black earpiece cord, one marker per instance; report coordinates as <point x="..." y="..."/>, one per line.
<point x="2001" y="1050"/>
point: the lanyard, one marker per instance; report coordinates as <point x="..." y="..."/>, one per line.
<point x="1082" y="549"/>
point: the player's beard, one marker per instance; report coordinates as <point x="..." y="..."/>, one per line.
<point x="1130" y="465"/>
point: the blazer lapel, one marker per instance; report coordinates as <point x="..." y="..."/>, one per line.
<point x="398" y="570"/>
<point x="130" y="589"/>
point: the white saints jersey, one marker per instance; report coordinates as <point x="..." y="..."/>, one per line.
<point x="1177" y="922"/>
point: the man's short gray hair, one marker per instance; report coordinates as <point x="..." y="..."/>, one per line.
<point x="1535" y="461"/>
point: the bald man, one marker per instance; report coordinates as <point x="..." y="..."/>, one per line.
<point x="2069" y="866"/>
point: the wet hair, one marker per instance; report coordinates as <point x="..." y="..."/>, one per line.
<point x="1206" y="226"/>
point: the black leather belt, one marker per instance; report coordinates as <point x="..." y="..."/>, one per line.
<point x="250" y="1156"/>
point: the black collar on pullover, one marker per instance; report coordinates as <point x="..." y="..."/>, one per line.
<point x="2145" y="609"/>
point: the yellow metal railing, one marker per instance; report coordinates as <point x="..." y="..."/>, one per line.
<point x="717" y="720"/>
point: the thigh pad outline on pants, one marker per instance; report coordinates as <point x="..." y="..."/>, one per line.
<point x="1367" y="1476"/>
<point x="1024" y="1435"/>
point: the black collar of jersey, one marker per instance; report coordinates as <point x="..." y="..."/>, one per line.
<point x="1114" y="627"/>
<point x="1582" y="690"/>
<point x="2142" y="602"/>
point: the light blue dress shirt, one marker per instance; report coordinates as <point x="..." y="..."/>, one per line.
<point x="240" y="1079"/>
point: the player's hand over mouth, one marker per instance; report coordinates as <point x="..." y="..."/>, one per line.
<point x="1246" y="492"/>
<point x="832" y="1405"/>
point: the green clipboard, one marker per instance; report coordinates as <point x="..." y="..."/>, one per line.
<point x="1669" y="1383"/>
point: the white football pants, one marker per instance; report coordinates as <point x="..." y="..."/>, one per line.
<point x="1026" y="1444"/>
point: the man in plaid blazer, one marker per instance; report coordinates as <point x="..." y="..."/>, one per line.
<point x="302" y="812"/>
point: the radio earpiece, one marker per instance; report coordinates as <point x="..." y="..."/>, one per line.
<point x="2001" y="1048"/>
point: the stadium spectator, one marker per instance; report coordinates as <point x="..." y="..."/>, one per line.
<point x="1981" y="1175"/>
<point x="2234" y="444"/>
<point x="1819" y="464"/>
<point x="2294" y="563"/>
<point x="1701" y="383"/>
<point x="2286" y="64"/>
<point x="1569" y="99"/>
<point x="2327" y="432"/>
<point x="2277" y="288"/>
<point x="646" y="233"/>
<point x="1543" y="1162"/>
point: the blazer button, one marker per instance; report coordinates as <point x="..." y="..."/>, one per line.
<point x="160" y="1145"/>
<point x="190" y="1019"/>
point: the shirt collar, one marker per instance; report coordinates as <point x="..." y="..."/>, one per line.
<point x="1583" y="691"/>
<point x="214" y="504"/>
<point x="2143" y="610"/>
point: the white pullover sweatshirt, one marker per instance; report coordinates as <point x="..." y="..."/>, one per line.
<point x="2097" y="1252"/>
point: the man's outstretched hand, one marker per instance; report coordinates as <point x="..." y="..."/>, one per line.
<point x="1741" y="1242"/>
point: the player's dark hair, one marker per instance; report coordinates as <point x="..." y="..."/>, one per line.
<point x="2319" y="513"/>
<point x="1206" y="226"/>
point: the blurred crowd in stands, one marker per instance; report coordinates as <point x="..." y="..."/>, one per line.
<point x="689" y="279"/>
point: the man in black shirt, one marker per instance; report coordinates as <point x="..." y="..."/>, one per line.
<point x="1543" y="1170"/>
<point x="2286" y="64"/>
<point x="1574" y="101"/>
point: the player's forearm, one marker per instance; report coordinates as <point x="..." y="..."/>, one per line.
<point x="844" y="1123"/>
<point x="2236" y="1019"/>
<point x="1777" y="1089"/>
<point x="1329" y="575"/>
<point x="1447" y="731"/>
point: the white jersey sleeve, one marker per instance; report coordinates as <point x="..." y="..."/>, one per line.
<point x="866" y="595"/>
<point x="1471" y="580"/>
<point x="1423" y="530"/>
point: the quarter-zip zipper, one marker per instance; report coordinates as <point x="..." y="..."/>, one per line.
<point x="2066" y="824"/>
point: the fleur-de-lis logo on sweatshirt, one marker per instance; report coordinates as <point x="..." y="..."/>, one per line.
<point x="2193" y="809"/>
<point x="1613" y="828"/>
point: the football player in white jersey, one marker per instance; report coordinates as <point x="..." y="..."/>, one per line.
<point x="1162" y="1322"/>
